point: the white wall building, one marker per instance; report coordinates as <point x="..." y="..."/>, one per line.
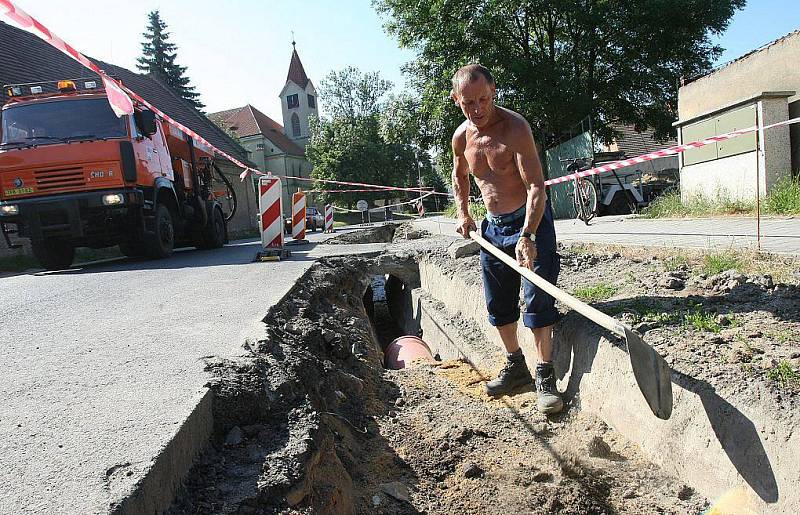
<point x="757" y="89"/>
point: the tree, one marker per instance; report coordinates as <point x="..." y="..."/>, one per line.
<point x="158" y="59"/>
<point x="558" y="62"/>
<point x="402" y="125"/>
<point x="352" y="144"/>
<point x="352" y="95"/>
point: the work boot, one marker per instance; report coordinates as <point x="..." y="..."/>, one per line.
<point x="549" y="399"/>
<point x="514" y="374"/>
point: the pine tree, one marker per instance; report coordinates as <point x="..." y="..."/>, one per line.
<point x="158" y="59"/>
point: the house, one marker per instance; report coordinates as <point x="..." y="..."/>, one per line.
<point x="275" y="148"/>
<point x="25" y="58"/>
<point x="757" y="89"/>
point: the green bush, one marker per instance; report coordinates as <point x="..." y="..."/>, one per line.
<point x="721" y="261"/>
<point x="784" y="199"/>
<point x="596" y="292"/>
<point x="477" y="210"/>
<point x="784" y="374"/>
<point x="670" y="205"/>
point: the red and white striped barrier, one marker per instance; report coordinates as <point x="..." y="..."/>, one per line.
<point x="270" y="212"/>
<point x="119" y="96"/>
<point x="298" y="216"/>
<point x="328" y="218"/>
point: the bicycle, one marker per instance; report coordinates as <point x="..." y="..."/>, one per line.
<point x="584" y="191"/>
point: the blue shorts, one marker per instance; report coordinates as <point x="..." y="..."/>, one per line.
<point x="501" y="283"/>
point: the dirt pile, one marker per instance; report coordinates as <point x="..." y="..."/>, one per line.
<point x="738" y="332"/>
<point x="290" y="417"/>
<point x="407" y="231"/>
<point x="468" y="453"/>
<point x="309" y="422"/>
<point x="379" y="234"/>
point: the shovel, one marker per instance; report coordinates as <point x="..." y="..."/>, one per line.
<point x="650" y="370"/>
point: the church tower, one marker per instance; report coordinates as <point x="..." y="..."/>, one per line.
<point x="298" y="101"/>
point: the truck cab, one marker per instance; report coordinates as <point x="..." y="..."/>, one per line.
<point x="73" y="174"/>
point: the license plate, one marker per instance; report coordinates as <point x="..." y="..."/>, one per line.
<point x="18" y="191"/>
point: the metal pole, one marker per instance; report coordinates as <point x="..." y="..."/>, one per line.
<point x="759" y="142"/>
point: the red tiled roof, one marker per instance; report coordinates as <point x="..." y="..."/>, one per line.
<point x="249" y="121"/>
<point x="297" y="73"/>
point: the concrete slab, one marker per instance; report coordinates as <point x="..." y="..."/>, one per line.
<point x="103" y="398"/>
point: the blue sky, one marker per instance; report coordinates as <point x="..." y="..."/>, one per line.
<point x="760" y="22"/>
<point x="238" y="52"/>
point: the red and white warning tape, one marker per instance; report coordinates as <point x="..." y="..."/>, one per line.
<point x="377" y="187"/>
<point x="359" y="190"/>
<point x="666" y="152"/>
<point x="119" y="96"/>
<point x="669" y="151"/>
<point x="381" y="208"/>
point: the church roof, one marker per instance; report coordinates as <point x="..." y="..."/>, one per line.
<point x="297" y="73"/>
<point x="249" y="121"/>
<point x="25" y="58"/>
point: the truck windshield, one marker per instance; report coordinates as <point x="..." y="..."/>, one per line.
<point x="60" y="121"/>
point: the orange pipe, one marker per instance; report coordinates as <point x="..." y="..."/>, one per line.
<point x="402" y="351"/>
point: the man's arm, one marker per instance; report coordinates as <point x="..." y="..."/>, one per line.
<point x="530" y="169"/>
<point x="461" y="184"/>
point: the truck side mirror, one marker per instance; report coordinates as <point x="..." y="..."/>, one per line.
<point x="146" y="121"/>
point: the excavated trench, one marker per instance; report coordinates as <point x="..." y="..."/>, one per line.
<point x="309" y="421"/>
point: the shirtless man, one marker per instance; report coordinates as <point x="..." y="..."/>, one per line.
<point x="496" y="145"/>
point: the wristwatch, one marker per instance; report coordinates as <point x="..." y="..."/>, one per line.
<point x="528" y="235"/>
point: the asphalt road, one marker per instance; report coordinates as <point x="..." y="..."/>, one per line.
<point x="103" y="364"/>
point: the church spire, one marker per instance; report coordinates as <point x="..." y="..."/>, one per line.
<point x="297" y="73"/>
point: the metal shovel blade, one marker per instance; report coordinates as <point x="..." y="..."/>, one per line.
<point x="652" y="375"/>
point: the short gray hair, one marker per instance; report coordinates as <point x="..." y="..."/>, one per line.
<point x="470" y="73"/>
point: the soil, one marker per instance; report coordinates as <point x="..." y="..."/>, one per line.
<point x="730" y="330"/>
<point x="309" y="422"/>
<point x="468" y="453"/>
<point x="379" y="234"/>
<point x="739" y="333"/>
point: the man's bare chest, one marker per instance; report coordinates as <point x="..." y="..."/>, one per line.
<point x="488" y="153"/>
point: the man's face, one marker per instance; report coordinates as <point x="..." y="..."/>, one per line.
<point x="476" y="100"/>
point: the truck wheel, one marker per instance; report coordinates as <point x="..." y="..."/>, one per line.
<point x="161" y="242"/>
<point x="53" y="255"/>
<point x="213" y="235"/>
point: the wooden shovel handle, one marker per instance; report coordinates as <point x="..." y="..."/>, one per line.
<point x="565" y="298"/>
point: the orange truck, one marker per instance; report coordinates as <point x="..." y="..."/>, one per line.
<point x="73" y="174"/>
